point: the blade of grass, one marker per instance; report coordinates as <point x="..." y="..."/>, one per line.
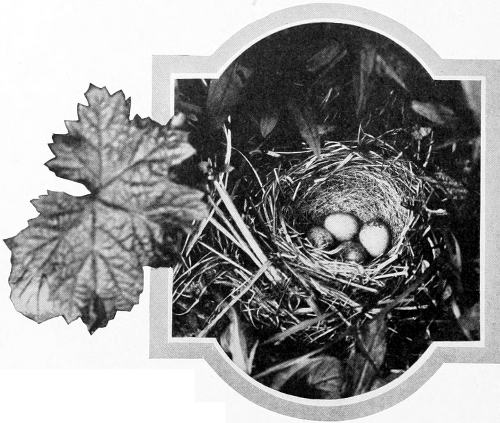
<point x="223" y="257"/>
<point x="233" y="239"/>
<point x="288" y="363"/>
<point x="281" y="336"/>
<point x="230" y="229"/>
<point x="246" y="286"/>
<point x="231" y="208"/>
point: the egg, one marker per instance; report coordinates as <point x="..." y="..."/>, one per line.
<point x="352" y="251"/>
<point x="343" y="226"/>
<point x="320" y="237"/>
<point x="375" y="237"/>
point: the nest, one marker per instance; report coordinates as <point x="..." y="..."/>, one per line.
<point x="364" y="186"/>
<point x="307" y="292"/>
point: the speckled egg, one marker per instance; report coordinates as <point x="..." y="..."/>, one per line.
<point x="352" y="251"/>
<point x="320" y="237"/>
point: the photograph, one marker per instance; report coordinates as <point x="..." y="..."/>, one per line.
<point x="343" y="185"/>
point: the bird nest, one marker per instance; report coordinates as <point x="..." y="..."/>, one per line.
<point x="280" y="281"/>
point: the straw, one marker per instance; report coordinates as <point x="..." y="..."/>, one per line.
<point x="309" y="293"/>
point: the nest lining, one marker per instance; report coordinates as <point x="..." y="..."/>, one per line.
<point x="343" y="180"/>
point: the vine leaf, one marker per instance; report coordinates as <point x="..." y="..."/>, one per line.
<point x="83" y="256"/>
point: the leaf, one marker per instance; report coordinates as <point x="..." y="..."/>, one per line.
<point x="435" y="112"/>
<point x="368" y="356"/>
<point x="304" y="119"/>
<point x="234" y="342"/>
<point x="371" y="61"/>
<point x="328" y="57"/>
<point x="322" y="375"/>
<point x="379" y="382"/>
<point x="83" y="256"/>
<point x="326" y="377"/>
<point x="226" y="92"/>
<point x="454" y="251"/>
<point x="472" y="94"/>
<point x="383" y="68"/>
<point x="470" y="319"/>
<point x="264" y="110"/>
<point x="268" y="122"/>
<point x="367" y="55"/>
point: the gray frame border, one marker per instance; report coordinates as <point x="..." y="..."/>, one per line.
<point x="163" y="345"/>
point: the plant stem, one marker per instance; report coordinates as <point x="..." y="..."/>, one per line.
<point x="272" y="272"/>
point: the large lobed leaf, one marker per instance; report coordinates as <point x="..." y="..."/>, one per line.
<point x="83" y="256"/>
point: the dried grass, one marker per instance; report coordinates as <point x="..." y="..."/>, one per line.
<point x="311" y="293"/>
